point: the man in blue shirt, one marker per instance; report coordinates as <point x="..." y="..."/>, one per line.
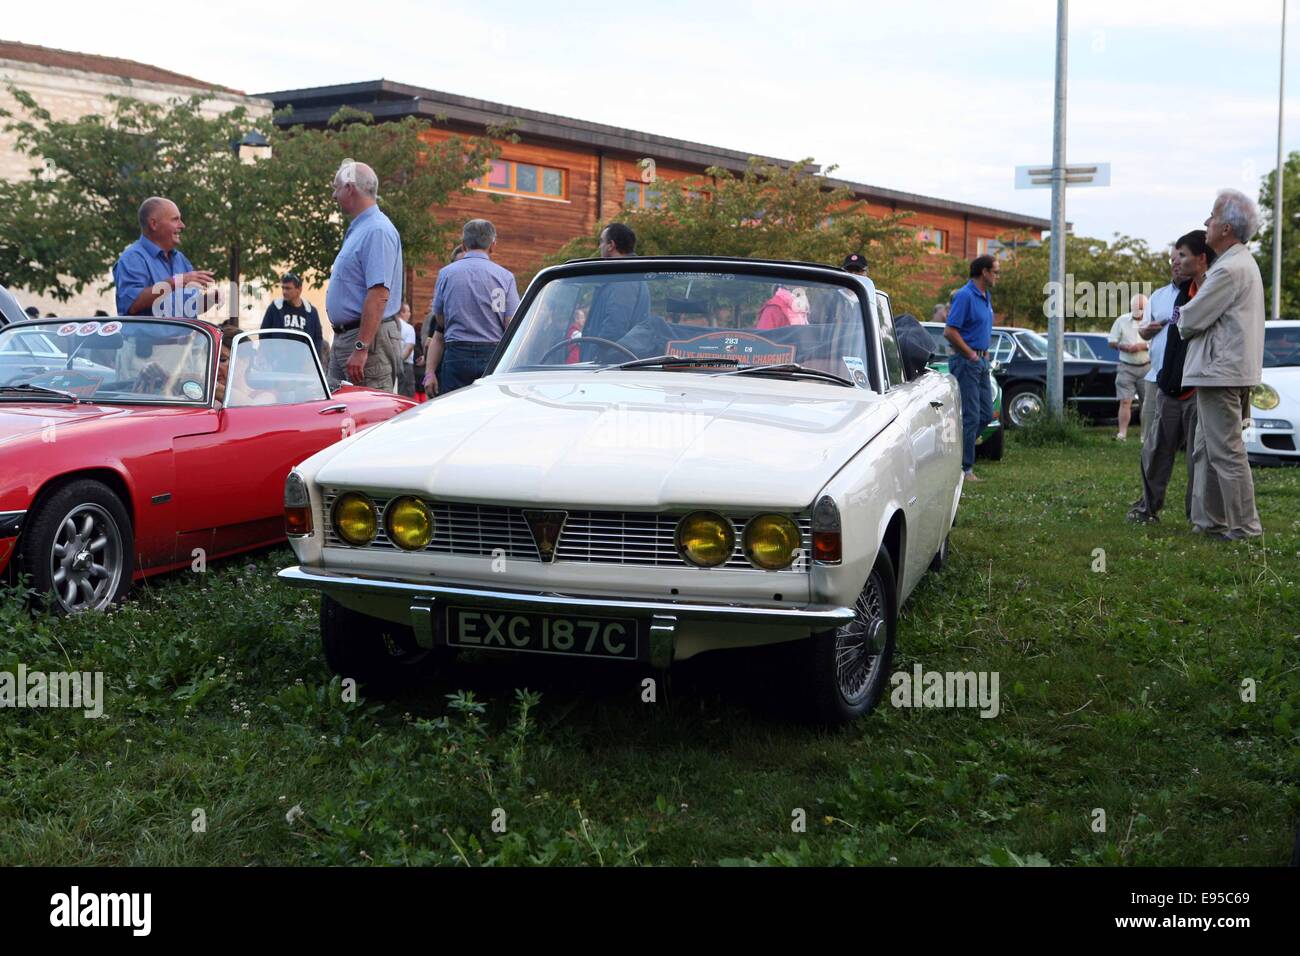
<point x="969" y="327"/>
<point x="153" y="277"/>
<point x="365" y="290"/>
<point x="474" y="300"/>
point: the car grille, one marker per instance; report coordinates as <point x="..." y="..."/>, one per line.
<point x="644" y="539"/>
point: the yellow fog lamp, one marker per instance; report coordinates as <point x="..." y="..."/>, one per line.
<point x="410" y="523"/>
<point x="771" y="542"/>
<point x="355" y="519"/>
<point x="705" y="539"/>
<point x="1265" y="397"/>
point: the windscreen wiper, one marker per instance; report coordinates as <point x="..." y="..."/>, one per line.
<point x="40" y="390"/>
<point x="673" y="361"/>
<point x="790" y="368"/>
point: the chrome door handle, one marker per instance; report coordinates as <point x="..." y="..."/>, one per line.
<point x="333" y="410"/>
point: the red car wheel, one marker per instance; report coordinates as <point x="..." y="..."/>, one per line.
<point x="78" y="548"/>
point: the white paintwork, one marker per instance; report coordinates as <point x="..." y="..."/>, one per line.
<point x="642" y="440"/>
<point x="1286" y="381"/>
<point x="647" y="440"/>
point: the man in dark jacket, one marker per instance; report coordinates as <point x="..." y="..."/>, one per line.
<point x="292" y="311"/>
<point x="619" y="303"/>
<point x="1174" y="416"/>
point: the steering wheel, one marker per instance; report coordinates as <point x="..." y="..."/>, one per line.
<point x="582" y="340"/>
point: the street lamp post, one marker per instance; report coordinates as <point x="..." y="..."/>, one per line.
<point x="1055" y="332"/>
<point x="1278" y="218"/>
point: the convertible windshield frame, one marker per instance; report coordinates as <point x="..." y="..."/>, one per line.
<point x="704" y="266"/>
<point x="199" y="327"/>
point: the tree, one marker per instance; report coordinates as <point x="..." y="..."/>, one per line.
<point x="771" y="212"/>
<point x="1290" y="237"/>
<point x="1101" y="279"/>
<point x="415" y="176"/>
<point x="62" y="229"/>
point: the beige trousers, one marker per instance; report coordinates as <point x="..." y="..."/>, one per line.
<point x="1224" y="497"/>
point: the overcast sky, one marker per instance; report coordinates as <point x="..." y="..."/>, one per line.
<point x="938" y="97"/>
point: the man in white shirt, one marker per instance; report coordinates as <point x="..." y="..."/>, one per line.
<point x="406" y="380"/>
<point x="1160" y="310"/>
<point x="1134" y="360"/>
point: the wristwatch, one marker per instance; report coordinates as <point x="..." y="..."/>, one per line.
<point x="361" y="346"/>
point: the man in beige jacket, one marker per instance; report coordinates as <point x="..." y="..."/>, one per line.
<point x="1224" y="330"/>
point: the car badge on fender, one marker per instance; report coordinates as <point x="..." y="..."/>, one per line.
<point x="546" y="527"/>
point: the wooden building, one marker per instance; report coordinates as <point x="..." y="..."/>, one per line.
<point x="565" y="175"/>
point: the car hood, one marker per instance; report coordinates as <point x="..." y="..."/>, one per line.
<point x="22" y="419"/>
<point x="645" y="440"/>
<point x="1284" y="378"/>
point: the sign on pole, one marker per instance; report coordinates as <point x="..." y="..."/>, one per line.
<point x="1076" y="174"/>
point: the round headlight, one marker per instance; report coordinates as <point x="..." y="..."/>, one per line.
<point x="409" y="523"/>
<point x="355" y="519"/>
<point x="705" y="539"/>
<point x="771" y="542"/>
<point x="1265" y="397"/>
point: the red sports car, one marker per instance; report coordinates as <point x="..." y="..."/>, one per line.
<point x="129" y="447"/>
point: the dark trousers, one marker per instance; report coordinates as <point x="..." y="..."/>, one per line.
<point x="976" y="402"/>
<point x="463" y="363"/>
<point x="1172" y="423"/>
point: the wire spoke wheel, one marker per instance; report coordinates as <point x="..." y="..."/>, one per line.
<point x="85" y="560"/>
<point x="860" y="644"/>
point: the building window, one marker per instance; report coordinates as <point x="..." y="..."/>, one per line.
<point x="987" y="247"/>
<point x="934" y="237"/>
<point x="641" y="195"/>
<point x="524" y="179"/>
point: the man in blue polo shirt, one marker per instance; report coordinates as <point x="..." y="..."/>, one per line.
<point x="969" y="327"/>
<point x="365" y="290"/>
<point x="153" y="277"/>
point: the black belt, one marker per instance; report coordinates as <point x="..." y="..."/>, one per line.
<point x="357" y="324"/>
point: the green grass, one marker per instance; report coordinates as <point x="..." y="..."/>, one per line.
<point x="1119" y="690"/>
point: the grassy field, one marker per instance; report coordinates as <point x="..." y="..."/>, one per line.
<point x="1120" y="691"/>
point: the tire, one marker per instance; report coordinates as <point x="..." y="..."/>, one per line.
<point x="830" y="703"/>
<point x="1021" y="403"/>
<point x="992" y="447"/>
<point x="78" y="549"/>
<point x="379" y="655"/>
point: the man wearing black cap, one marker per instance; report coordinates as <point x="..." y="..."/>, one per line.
<point x="856" y="263"/>
<point x="294" y="312"/>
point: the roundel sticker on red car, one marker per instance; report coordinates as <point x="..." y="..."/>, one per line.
<point x="192" y="390"/>
<point x="110" y="328"/>
<point x="68" y="328"/>
<point x="87" y="328"/>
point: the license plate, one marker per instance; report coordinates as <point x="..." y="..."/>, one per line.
<point x="487" y="629"/>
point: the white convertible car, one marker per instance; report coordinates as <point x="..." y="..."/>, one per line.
<point x="667" y="456"/>
<point x="1273" y="437"/>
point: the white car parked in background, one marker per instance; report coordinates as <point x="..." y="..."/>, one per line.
<point x="733" y="455"/>
<point x="1273" y="437"/>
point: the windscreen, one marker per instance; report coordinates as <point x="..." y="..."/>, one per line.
<point x="596" y="321"/>
<point x="107" y="360"/>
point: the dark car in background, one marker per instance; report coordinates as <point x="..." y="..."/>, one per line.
<point x="1021" y="369"/>
<point x="1090" y="345"/>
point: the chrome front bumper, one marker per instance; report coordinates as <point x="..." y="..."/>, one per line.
<point x="661" y="616"/>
